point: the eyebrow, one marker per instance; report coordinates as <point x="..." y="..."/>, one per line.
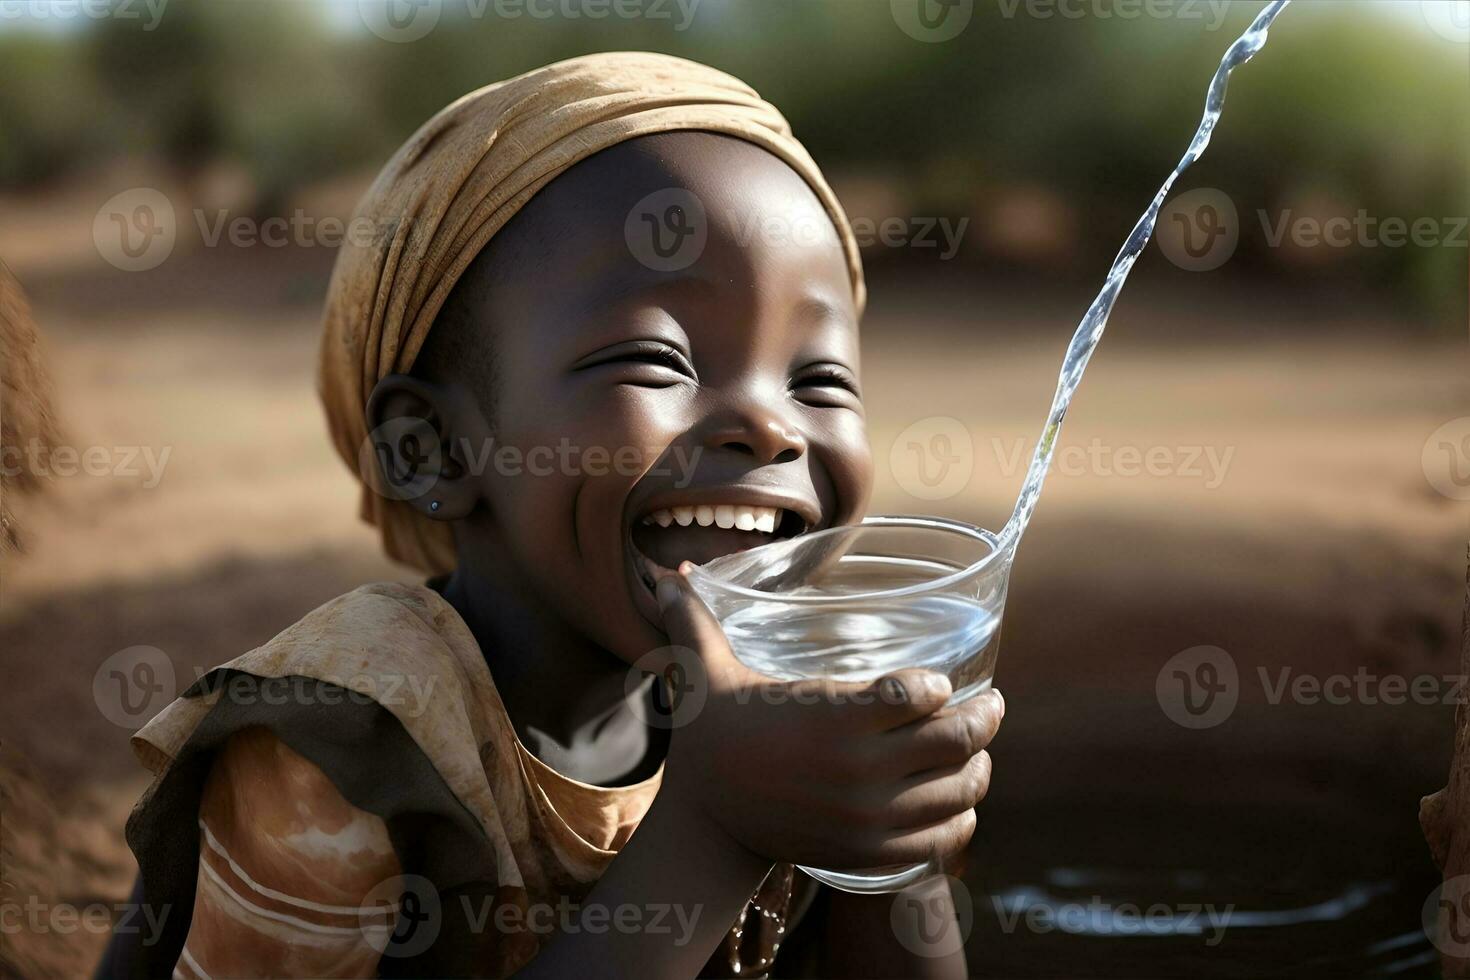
<point x="617" y="290"/>
<point x="817" y="309"/>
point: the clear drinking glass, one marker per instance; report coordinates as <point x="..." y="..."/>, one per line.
<point x="854" y="603"/>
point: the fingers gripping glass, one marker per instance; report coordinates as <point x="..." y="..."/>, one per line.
<point x="856" y="603"/>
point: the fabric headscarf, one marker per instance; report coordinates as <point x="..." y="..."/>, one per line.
<point x="459" y="179"/>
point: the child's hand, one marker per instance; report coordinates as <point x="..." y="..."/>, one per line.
<point x="823" y="773"/>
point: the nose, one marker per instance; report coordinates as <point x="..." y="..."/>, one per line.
<point x="761" y="434"/>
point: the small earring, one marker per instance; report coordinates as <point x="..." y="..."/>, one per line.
<point x="433" y="505"/>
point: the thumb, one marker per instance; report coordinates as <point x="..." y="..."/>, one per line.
<point x="907" y="695"/>
<point x="689" y="623"/>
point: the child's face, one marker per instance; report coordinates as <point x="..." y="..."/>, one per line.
<point x="644" y="402"/>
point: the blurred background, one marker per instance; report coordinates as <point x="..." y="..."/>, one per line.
<point x="1269" y="456"/>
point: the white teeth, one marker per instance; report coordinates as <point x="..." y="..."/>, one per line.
<point x="742" y="517"/>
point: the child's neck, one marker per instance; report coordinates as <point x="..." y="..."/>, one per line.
<point x="567" y="698"/>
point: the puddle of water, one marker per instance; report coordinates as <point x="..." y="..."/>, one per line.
<point x="1266" y="891"/>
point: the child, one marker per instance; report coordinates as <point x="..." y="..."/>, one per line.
<point x="608" y="325"/>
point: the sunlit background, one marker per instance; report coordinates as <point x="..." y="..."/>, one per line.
<point x="1290" y="356"/>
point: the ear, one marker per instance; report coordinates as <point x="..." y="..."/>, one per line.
<point x="418" y="433"/>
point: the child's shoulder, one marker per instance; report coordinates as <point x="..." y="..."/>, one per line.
<point x="358" y="618"/>
<point x="398" y="646"/>
<point x="385" y="666"/>
<point x="373" y="711"/>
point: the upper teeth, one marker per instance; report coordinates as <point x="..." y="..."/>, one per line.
<point x="721" y="515"/>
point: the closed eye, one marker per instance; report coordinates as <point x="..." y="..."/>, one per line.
<point x="662" y="362"/>
<point x="827" y="385"/>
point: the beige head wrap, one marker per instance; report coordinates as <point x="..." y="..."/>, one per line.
<point x="459" y="179"/>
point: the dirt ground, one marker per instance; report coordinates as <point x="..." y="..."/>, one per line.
<point x="1314" y="542"/>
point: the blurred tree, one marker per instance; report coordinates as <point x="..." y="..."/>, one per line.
<point x="1348" y="106"/>
<point x="164" y="87"/>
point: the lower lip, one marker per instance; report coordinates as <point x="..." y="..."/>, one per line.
<point x="650" y="570"/>
<point x="643" y="596"/>
<point x="646" y="572"/>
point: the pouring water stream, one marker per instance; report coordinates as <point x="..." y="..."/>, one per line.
<point x="1090" y="330"/>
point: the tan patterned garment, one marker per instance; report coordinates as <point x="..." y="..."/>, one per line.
<point x="357" y="775"/>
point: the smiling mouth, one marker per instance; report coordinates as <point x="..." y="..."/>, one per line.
<point x="699" y="533"/>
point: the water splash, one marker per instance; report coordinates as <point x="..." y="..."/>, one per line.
<point x="1090" y="330"/>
